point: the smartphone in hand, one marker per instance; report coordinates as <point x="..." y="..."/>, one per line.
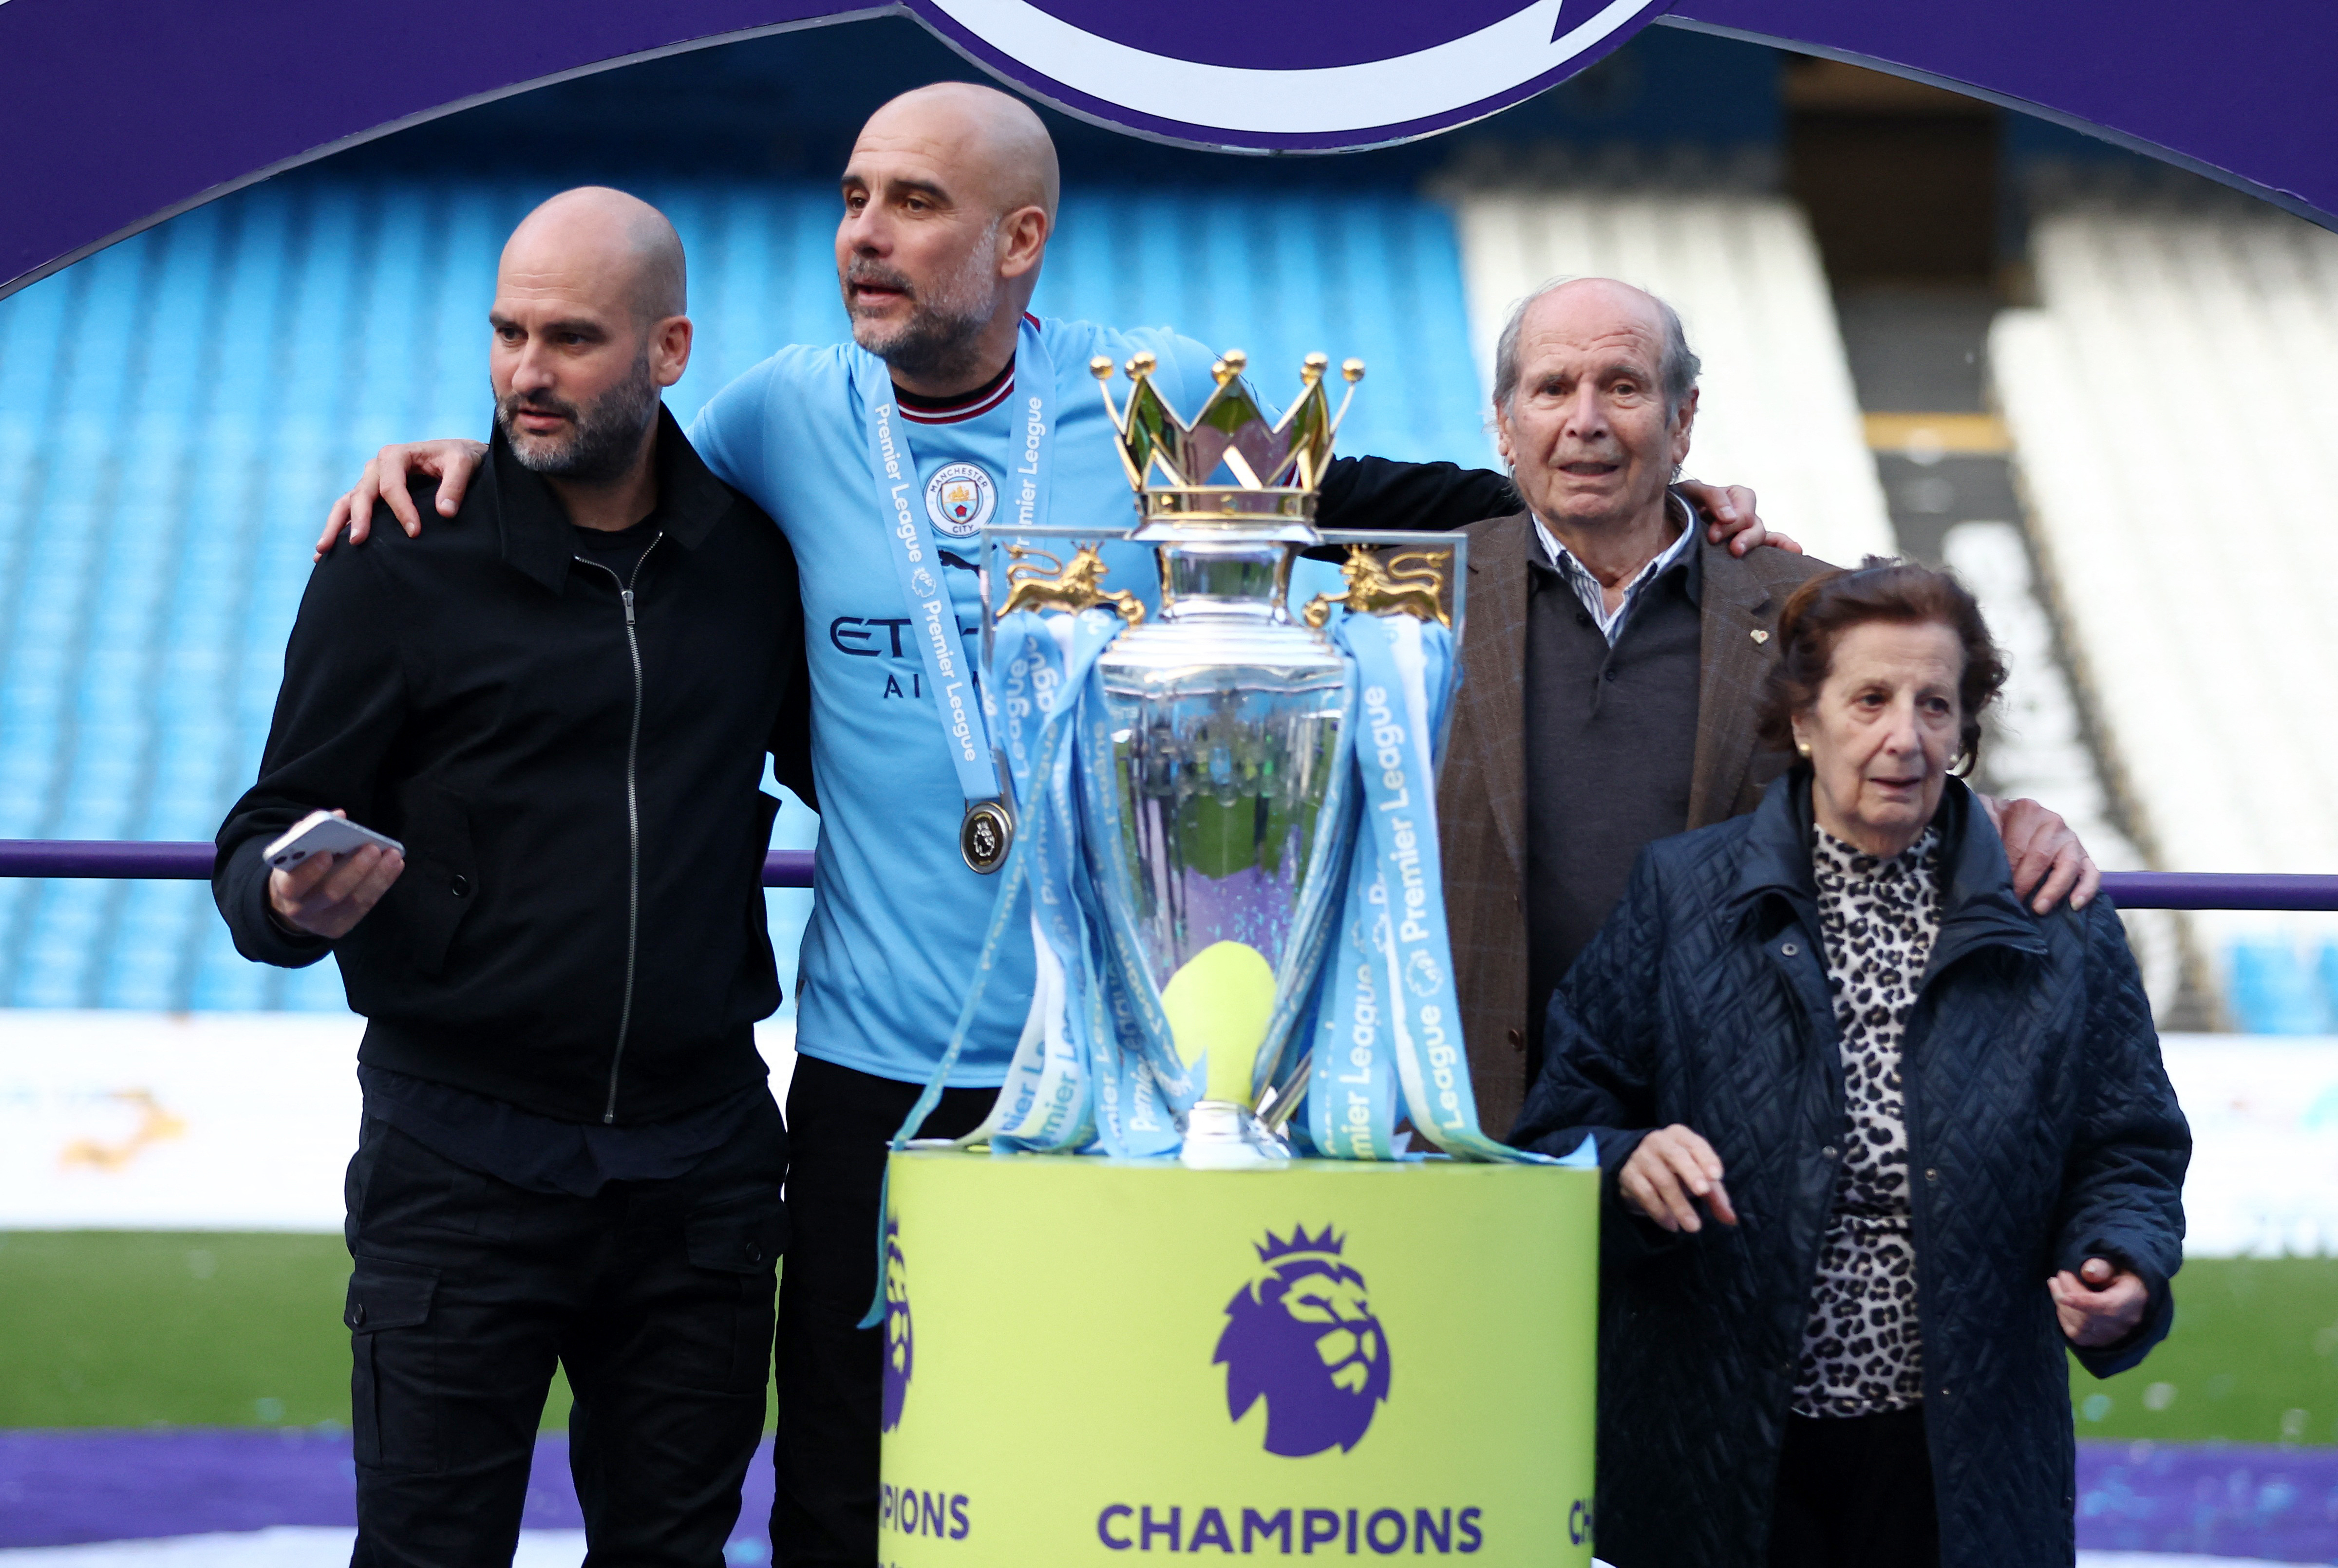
<point x="322" y="833"/>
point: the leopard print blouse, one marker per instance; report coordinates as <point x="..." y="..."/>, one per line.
<point x="1861" y="1354"/>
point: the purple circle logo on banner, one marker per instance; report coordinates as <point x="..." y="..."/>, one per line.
<point x="1231" y="73"/>
<point x="1302" y="1334"/>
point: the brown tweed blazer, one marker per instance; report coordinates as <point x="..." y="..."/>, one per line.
<point x="1481" y="799"/>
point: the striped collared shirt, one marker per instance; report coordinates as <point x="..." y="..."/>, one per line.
<point x="1587" y="587"/>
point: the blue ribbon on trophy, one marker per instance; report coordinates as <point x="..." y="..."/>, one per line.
<point x="1388" y="1024"/>
<point x="1069" y="1087"/>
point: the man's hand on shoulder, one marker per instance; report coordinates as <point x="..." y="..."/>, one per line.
<point x="451" y="463"/>
<point x="1730" y="517"/>
<point x="327" y="894"/>
<point x="2044" y="854"/>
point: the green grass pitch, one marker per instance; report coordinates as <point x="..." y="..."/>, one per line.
<point x="139" y="1328"/>
<point x="2254" y="1358"/>
<point x="133" y="1328"/>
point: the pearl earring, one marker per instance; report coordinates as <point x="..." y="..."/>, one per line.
<point x="1803" y="747"/>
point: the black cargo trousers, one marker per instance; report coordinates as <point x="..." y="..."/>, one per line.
<point x="655" y="1297"/>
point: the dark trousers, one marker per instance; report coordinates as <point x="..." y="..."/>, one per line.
<point x="830" y="1371"/>
<point x="654" y="1296"/>
<point x="1856" y="1493"/>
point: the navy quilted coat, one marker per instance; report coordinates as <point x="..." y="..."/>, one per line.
<point x="2042" y="1132"/>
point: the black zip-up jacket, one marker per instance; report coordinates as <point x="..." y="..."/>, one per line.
<point x="573" y="765"/>
<point x="2042" y="1132"/>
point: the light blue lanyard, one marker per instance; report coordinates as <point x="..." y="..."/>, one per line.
<point x="1136" y="1121"/>
<point x="1390" y="1009"/>
<point x="949" y="670"/>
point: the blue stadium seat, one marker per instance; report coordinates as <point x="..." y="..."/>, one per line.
<point x="177" y="412"/>
<point x="2275" y="989"/>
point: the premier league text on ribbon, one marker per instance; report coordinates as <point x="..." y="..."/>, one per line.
<point x="938" y="625"/>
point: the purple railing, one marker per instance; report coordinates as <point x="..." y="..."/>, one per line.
<point x="181" y="862"/>
<point x="2219" y="890"/>
<point x="117" y="857"/>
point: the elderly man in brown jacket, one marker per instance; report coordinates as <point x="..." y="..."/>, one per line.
<point x="1610" y="669"/>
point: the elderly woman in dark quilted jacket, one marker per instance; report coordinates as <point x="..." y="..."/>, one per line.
<point x="1880" y="1142"/>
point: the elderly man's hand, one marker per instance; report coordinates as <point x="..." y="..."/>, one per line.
<point x="1673" y="1167"/>
<point x="1733" y="519"/>
<point x="451" y="463"/>
<point x="327" y="894"/>
<point x="2099" y="1305"/>
<point x="2044" y="854"/>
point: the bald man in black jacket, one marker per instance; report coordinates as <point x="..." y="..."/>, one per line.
<point x="560" y="702"/>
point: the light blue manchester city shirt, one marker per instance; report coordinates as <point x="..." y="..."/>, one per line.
<point x="896" y="919"/>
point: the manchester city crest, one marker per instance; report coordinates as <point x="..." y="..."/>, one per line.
<point x="960" y="498"/>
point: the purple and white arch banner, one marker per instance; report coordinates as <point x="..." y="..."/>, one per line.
<point x="117" y="113"/>
<point x="1291" y="77"/>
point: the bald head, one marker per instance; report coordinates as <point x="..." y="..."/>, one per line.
<point x="993" y="143"/>
<point x="605" y="245"/>
<point x="589" y="329"/>
<point x="950" y="198"/>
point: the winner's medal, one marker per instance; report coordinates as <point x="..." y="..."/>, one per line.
<point x="984" y="836"/>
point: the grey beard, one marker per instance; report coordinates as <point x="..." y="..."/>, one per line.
<point x="606" y="436"/>
<point x="933" y="343"/>
<point x="937" y="341"/>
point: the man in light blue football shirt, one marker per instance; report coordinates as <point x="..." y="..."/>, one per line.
<point x="981" y="410"/>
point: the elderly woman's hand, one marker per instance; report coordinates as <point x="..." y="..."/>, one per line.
<point x="1672" y="1167"/>
<point x="2099" y="1305"/>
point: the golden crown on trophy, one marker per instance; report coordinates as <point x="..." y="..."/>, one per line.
<point x="1175" y="467"/>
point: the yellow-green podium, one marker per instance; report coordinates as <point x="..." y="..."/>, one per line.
<point x="1091" y="1362"/>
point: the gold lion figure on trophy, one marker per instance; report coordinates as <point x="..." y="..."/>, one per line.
<point x="1409" y="580"/>
<point x="1070" y="586"/>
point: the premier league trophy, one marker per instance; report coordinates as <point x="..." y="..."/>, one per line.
<point x="1227" y="811"/>
<point x="1224" y="824"/>
<point x="1228" y="729"/>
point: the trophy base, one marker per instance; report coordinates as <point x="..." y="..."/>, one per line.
<point x="1220" y="1135"/>
<point x="1144" y="1267"/>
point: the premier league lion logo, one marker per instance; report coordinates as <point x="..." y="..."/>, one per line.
<point x="1302" y="1337"/>
<point x="900" y="1347"/>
